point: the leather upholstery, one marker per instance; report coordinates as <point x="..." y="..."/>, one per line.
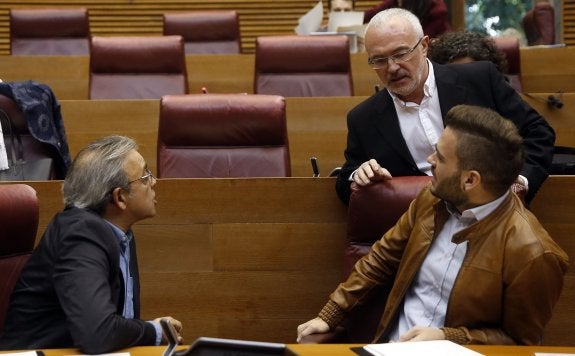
<point x="137" y="67"/>
<point x="33" y="149"/>
<point x="18" y="227"/>
<point x="372" y="211"/>
<point x="510" y="46"/>
<point x="49" y="31"/>
<point x="539" y="24"/>
<point x="216" y="31"/>
<point x="223" y="135"/>
<point x="303" y="66"/>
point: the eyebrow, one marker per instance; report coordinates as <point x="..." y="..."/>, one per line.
<point x="439" y="155"/>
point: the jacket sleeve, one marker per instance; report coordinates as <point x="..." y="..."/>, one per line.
<point x="83" y="279"/>
<point x="374" y="270"/>
<point x="526" y="312"/>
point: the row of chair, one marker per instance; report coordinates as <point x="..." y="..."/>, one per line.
<point x="151" y="67"/>
<point x="203" y="136"/>
<point x="67" y="31"/>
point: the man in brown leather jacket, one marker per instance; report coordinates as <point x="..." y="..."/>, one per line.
<point x="469" y="262"/>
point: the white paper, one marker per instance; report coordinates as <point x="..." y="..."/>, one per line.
<point x="552" y="354"/>
<point x="311" y="21"/>
<point x="427" y="348"/>
<point x="344" y="19"/>
<point x="24" y="353"/>
<point x="112" y="354"/>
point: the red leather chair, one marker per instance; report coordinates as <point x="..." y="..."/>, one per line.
<point x="137" y="67"/>
<point x="510" y="46"/>
<point x="216" y="31"/>
<point x="303" y="66"/>
<point x="49" y="31"/>
<point x="539" y="24"/>
<point x="372" y="211"/>
<point x="223" y="135"/>
<point x="18" y="227"/>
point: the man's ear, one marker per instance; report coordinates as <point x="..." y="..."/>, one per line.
<point x="119" y="198"/>
<point x="471" y="179"/>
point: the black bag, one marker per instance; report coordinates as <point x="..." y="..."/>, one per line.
<point x="20" y="169"/>
<point x="563" y="161"/>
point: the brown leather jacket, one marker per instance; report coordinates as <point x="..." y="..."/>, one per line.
<point x="511" y="277"/>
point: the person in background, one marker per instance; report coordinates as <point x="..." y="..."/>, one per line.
<point x="80" y="288"/>
<point x="432" y="14"/>
<point x="467" y="255"/>
<point x="392" y="132"/>
<point x="465" y="47"/>
<point x="340" y="5"/>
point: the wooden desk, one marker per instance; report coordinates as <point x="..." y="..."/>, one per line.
<point x="543" y="70"/>
<point x="316" y="126"/>
<point x="344" y="350"/>
<point x="253" y="258"/>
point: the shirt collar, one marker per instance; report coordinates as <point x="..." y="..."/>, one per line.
<point x="121" y="237"/>
<point x="477" y="213"/>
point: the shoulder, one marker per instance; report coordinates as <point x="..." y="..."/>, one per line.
<point x="370" y="105"/>
<point x="81" y="225"/>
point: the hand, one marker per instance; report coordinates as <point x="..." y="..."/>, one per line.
<point x="314" y="326"/>
<point x="177" y="326"/>
<point x="370" y="171"/>
<point x="519" y="187"/>
<point x="422" y="333"/>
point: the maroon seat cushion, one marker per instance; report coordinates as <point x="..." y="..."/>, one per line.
<point x="137" y="67"/>
<point x="216" y="31"/>
<point x="223" y="135"/>
<point x="303" y="66"/>
<point x="49" y="31"/>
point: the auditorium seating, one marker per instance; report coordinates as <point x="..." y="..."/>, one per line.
<point x="209" y="32"/>
<point x="223" y="135"/>
<point x="303" y="66"/>
<point x="49" y="31"/>
<point x="137" y="67"/>
<point x="539" y="24"/>
<point x="18" y="227"/>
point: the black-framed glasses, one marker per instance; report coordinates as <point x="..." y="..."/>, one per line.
<point x="398" y="57"/>
<point x="146" y="178"/>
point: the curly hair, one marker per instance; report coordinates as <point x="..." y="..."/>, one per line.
<point x="456" y="45"/>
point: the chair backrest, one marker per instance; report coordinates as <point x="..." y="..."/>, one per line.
<point x="510" y="46"/>
<point x="303" y="66"/>
<point x="539" y="24"/>
<point x="49" y="31"/>
<point x="18" y="227"/>
<point x="137" y="67"/>
<point x="216" y="31"/>
<point x="223" y="135"/>
<point x="372" y="211"/>
<point x="33" y="148"/>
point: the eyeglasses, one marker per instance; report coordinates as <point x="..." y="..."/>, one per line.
<point x="402" y="56"/>
<point x="146" y="178"/>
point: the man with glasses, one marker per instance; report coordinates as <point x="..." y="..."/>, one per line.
<point x="392" y="132"/>
<point x="81" y="288"/>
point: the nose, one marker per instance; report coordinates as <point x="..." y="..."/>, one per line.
<point x="431" y="159"/>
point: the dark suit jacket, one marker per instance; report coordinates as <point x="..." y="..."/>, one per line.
<point x="374" y="132"/>
<point x="71" y="291"/>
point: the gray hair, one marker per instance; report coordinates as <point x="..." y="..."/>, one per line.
<point x="385" y="16"/>
<point x="96" y="171"/>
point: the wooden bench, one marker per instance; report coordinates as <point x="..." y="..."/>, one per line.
<point x="316" y="126"/>
<point x="253" y="258"/>
<point x="543" y="70"/>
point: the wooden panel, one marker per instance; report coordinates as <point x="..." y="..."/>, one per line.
<point x="544" y="70"/>
<point x="144" y="17"/>
<point x="253" y="258"/>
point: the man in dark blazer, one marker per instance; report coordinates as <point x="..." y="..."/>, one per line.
<point x="392" y="132"/>
<point x="81" y="288"/>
